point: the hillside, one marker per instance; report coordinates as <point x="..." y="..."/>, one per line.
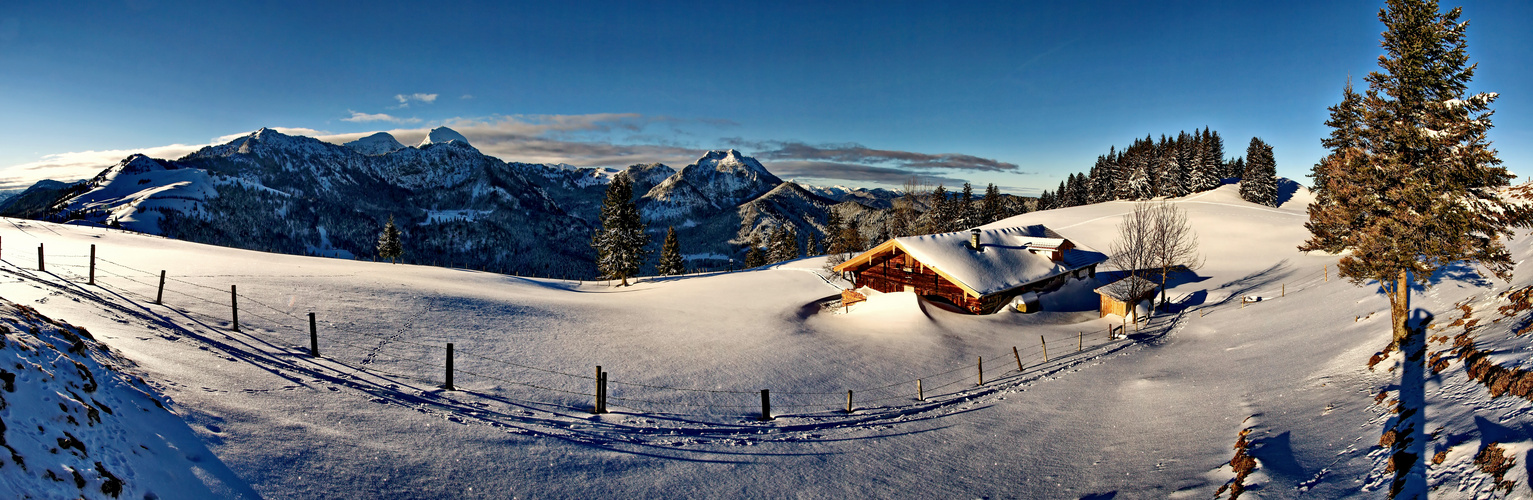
<point x="1152" y="416"/>
<point x="76" y="423"/>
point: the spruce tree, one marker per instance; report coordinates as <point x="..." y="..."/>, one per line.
<point x="968" y="214"/>
<point x="784" y="244"/>
<point x="754" y="256"/>
<point x="990" y="208"/>
<point x="621" y="243"/>
<point x="941" y="216"/>
<point x="671" y="263"/>
<point x="1419" y="191"/>
<point x="1259" y="182"/>
<point x="390" y="245"/>
<point x="1046" y="200"/>
<point x="1213" y="156"/>
<point x="833" y="232"/>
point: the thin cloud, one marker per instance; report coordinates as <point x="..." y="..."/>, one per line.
<point x="360" y="117"/>
<point x="467" y="96"/>
<point x="853" y="172"/>
<point x="404" y="99"/>
<point x="859" y="154"/>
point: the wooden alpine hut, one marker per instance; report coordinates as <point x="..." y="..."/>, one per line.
<point x="980" y="270"/>
<point x="1120" y="297"/>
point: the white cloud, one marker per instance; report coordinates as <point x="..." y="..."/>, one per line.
<point x="80" y="165"/>
<point x="404" y="99"/>
<point x="360" y="117"/>
<point x="467" y="96"/>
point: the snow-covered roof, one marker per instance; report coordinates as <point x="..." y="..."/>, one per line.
<point x="1008" y="259"/>
<point x="1123" y="289"/>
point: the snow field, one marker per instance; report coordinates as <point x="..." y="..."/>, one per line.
<point x="1152" y="417"/>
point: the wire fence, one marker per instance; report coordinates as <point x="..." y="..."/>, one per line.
<point x="373" y="350"/>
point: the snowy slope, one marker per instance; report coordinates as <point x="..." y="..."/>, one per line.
<point x="75" y="425"/>
<point x="1154" y="416"/>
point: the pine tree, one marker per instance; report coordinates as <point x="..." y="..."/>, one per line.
<point x="1138" y="187"/>
<point x="1170" y="172"/>
<point x="754" y="256"/>
<point x="390" y="245"/>
<point x="1259" y="182"/>
<point x="1101" y="181"/>
<point x="851" y="237"/>
<point x="811" y="245"/>
<point x="621" y="242"/>
<point x="968" y="214"/>
<point x="1419" y="192"/>
<point x="833" y="232"/>
<point x="1213" y="156"/>
<point x="1346" y="123"/>
<point x="990" y="208"/>
<point x="1046" y="200"/>
<point x="671" y="263"/>
<point x="784" y="244"/>
<point x="941" y="217"/>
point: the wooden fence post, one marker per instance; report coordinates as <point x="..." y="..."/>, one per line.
<point x="234" y="303"/>
<point x="449" y="386"/>
<point x="1285" y="290"/>
<point x="981" y="370"/>
<point x="1080" y="341"/>
<point x="313" y="338"/>
<point x="159" y="297"/>
<point x="93" y="263"/>
<point x="39" y="256"/>
<point x="603" y="382"/>
<point x="848" y="400"/>
<point x="766" y="405"/>
<point x="1046" y="347"/>
<point x="1017" y="355"/>
<point x="596" y="407"/>
<point x="920" y="391"/>
<point x="1327" y="273"/>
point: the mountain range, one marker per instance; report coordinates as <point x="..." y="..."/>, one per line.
<point x="455" y="205"/>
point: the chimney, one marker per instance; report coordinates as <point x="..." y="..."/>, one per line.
<point x="974" y="240"/>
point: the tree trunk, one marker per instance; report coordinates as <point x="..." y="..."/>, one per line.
<point x="1400" y="308"/>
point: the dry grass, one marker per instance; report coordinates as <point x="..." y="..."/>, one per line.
<point x="1499" y="380"/>
<point x="1243" y="464"/>
<point x="1493" y="460"/>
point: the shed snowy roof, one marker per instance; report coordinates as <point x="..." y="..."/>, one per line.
<point x="1008" y="260"/>
<point x="1123" y="290"/>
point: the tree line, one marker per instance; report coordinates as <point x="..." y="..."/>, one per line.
<point x="1171" y="167"/>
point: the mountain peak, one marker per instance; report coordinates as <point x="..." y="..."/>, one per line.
<point x="443" y="135"/>
<point x="376" y="144"/>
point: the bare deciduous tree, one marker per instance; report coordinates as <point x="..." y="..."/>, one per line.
<point x="1153" y="239"/>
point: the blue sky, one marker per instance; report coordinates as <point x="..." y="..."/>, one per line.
<point x="1015" y="93"/>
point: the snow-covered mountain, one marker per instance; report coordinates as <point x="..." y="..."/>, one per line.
<point x="294" y="194"/>
<point x="874" y="198"/>
<point x="718" y="181"/>
<point x="442" y="135"/>
<point x="376" y="144"/>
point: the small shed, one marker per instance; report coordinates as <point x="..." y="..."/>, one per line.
<point x="1120" y="296"/>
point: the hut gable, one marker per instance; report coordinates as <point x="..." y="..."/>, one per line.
<point x="1007" y="261"/>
